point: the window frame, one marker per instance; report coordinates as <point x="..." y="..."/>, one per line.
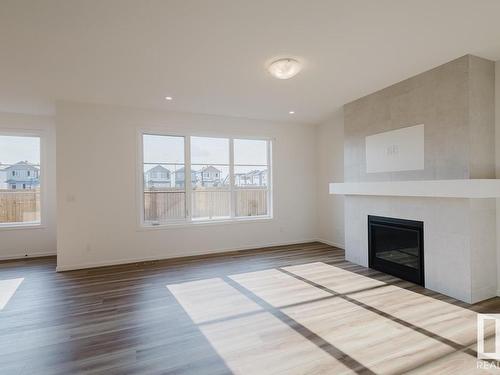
<point x="235" y="188"/>
<point x="187" y="201"/>
<point x="188" y="221"/>
<point x="36" y="133"/>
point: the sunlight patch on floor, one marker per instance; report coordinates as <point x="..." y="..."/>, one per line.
<point x="380" y="344"/>
<point x="441" y="318"/>
<point x="249" y="339"/>
<point x="7" y="290"/>
<point x="262" y="344"/>
<point x="279" y="289"/>
<point x="385" y="328"/>
<point x="211" y="299"/>
<point x="334" y="278"/>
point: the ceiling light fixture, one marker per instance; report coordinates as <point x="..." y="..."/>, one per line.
<point x="168" y="98"/>
<point x="291" y="112"/>
<point x="284" y="68"/>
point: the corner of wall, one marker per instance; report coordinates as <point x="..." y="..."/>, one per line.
<point x="481" y="108"/>
<point x="330" y="168"/>
<point x="497" y="163"/>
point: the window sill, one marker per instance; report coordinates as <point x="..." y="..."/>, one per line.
<point x="20" y="226"/>
<point x="205" y="223"/>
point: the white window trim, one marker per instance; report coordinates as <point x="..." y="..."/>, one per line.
<point x="43" y="188"/>
<point x="189" y="221"/>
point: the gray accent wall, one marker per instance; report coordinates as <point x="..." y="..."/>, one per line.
<point x="482" y="117"/>
<point x="454" y="101"/>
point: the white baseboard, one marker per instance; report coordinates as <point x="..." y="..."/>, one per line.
<point x="26" y="256"/>
<point x="331" y="243"/>
<point x="74" y="267"/>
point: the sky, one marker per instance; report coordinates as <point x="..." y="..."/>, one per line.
<point x="14" y="149"/>
<point x="157" y="149"/>
<point x="206" y="151"/>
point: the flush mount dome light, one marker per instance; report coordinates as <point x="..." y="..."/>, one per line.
<point x="284" y="68"/>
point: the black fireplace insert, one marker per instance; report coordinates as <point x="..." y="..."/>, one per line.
<point x="396" y="247"/>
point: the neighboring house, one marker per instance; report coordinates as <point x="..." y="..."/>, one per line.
<point x="157" y="177"/>
<point x="22" y="175"/>
<point x="209" y="176"/>
<point x="252" y="178"/>
<point x="180" y="177"/>
<point x="3" y="176"/>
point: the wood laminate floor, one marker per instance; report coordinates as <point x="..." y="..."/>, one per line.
<point x="299" y="309"/>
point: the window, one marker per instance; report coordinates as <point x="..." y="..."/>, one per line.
<point x="211" y="194"/>
<point x="228" y="179"/>
<point x="251" y="167"/>
<point x="19" y="194"/>
<point x="164" y="186"/>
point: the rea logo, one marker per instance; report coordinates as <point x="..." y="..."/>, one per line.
<point x="488" y="333"/>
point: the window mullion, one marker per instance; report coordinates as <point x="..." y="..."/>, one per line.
<point x="187" y="177"/>
<point x="269" y="180"/>
<point x="232" y="204"/>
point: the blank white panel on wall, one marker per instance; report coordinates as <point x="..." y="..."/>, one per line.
<point x="396" y="150"/>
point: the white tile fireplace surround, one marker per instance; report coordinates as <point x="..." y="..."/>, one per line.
<point x="459" y="237"/>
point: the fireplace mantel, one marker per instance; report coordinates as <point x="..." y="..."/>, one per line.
<point x="466" y="188"/>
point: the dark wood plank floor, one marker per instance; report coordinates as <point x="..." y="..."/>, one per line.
<point x="291" y="309"/>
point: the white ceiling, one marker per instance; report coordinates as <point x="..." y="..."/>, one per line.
<point x="211" y="55"/>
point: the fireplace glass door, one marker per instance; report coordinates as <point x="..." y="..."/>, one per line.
<point x="396" y="247"/>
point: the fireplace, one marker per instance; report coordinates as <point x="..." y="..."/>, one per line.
<point x="396" y="247"/>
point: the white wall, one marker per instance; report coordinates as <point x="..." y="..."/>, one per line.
<point x="97" y="225"/>
<point x="330" y="159"/>
<point x="17" y="243"/>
